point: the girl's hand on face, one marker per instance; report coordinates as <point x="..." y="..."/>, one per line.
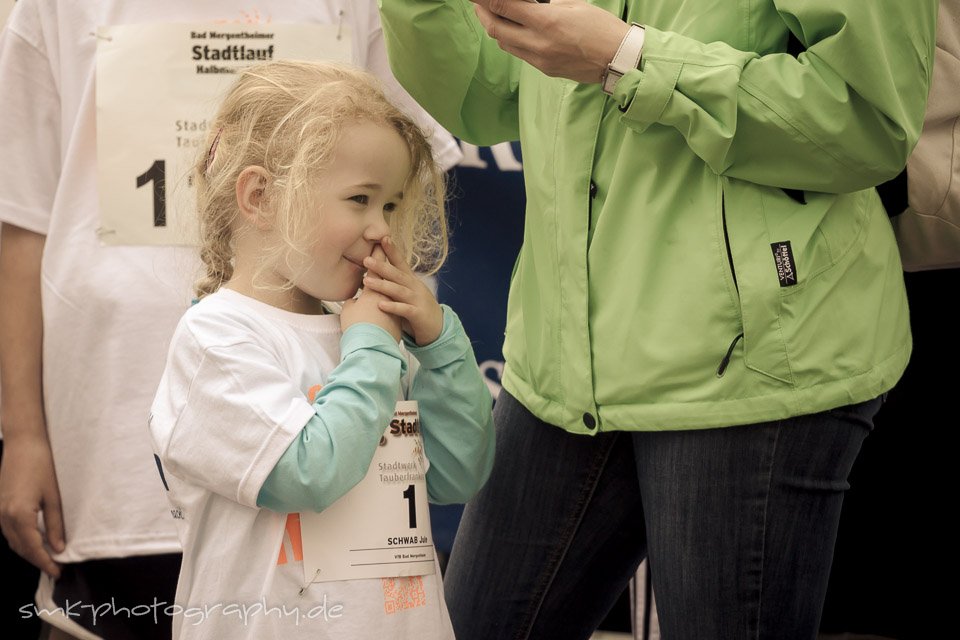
<point x="405" y="294"/>
<point x="366" y="308"/>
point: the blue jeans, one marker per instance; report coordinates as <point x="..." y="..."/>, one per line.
<point x="738" y="523"/>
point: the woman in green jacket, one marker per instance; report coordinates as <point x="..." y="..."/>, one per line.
<point x="708" y="305"/>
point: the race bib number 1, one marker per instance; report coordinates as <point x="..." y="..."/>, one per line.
<point x="158" y="86"/>
<point x="381" y="527"/>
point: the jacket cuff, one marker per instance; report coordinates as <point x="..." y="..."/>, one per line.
<point x="643" y="94"/>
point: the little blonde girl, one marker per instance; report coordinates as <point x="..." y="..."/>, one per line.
<point x="296" y="478"/>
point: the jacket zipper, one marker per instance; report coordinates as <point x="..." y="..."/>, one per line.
<point x="726" y="241"/>
<point x="593" y="194"/>
<point x="733" y="272"/>
<point x="726" y="359"/>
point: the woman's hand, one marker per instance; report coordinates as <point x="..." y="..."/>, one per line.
<point x="564" y="38"/>
<point x="365" y="308"/>
<point x="406" y="296"/>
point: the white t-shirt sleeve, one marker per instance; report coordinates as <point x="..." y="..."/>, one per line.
<point x="29" y="124"/>
<point x="223" y="416"/>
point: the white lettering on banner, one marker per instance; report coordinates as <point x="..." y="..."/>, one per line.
<point x="503" y="157"/>
<point x="471" y="156"/>
<point x="494" y="367"/>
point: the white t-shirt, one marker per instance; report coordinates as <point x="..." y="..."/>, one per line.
<point x="109" y="312"/>
<point x="1" y="431"/>
<point x="244" y="370"/>
<point x="5" y="8"/>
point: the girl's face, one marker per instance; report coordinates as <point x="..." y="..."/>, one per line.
<point x="355" y="196"/>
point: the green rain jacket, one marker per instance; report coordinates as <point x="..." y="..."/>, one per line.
<point x="667" y="279"/>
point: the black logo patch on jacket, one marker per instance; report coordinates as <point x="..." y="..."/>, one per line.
<point x="786" y="265"/>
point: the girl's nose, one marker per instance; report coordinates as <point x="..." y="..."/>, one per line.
<point x="377" y="228"/>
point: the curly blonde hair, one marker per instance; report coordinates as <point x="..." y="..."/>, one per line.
<point x="287" y="117"/>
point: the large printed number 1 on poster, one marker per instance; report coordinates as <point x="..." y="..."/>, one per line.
<point x="150" y="126"/>
<point x="157" y="174"/>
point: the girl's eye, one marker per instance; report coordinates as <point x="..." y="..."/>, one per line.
<point x="360" y="199"/>
<point x="390" y="207"/>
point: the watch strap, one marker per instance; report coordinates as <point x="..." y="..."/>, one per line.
<point x="626" y="58"/>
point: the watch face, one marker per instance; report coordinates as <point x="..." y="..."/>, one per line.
<point x="609" y="81"/>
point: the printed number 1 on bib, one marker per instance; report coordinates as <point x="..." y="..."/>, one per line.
<point x="381" y="527"/>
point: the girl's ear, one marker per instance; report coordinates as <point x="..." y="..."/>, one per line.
<point x="251" y="184"/>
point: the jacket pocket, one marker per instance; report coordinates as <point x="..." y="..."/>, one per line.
<point x="821" y="232"/>
<point x="753" y="270"/>
<point x="731" y="286"/>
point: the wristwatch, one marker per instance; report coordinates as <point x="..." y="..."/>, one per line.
<point x="626" y="58"/>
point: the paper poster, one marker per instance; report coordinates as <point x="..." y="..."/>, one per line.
<point x="158" y="86"/>
<point x="381" y="527"/>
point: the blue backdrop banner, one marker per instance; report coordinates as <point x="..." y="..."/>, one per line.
<point x="486" y="225"/>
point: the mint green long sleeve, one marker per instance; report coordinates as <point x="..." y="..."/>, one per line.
<point x="334" y="449"/>
<point x="455" y="413"/>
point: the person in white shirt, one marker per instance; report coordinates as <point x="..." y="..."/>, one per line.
<point x="272" y="409"/>
<point x="84" y="327"/>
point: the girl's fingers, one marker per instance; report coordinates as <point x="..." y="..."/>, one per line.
<point x="388" y="288"/>
<point x="393" y="254"/>
<point x="385" y="270"/>
<point x="378" y="253"/>
<point x="401" y="309"/>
